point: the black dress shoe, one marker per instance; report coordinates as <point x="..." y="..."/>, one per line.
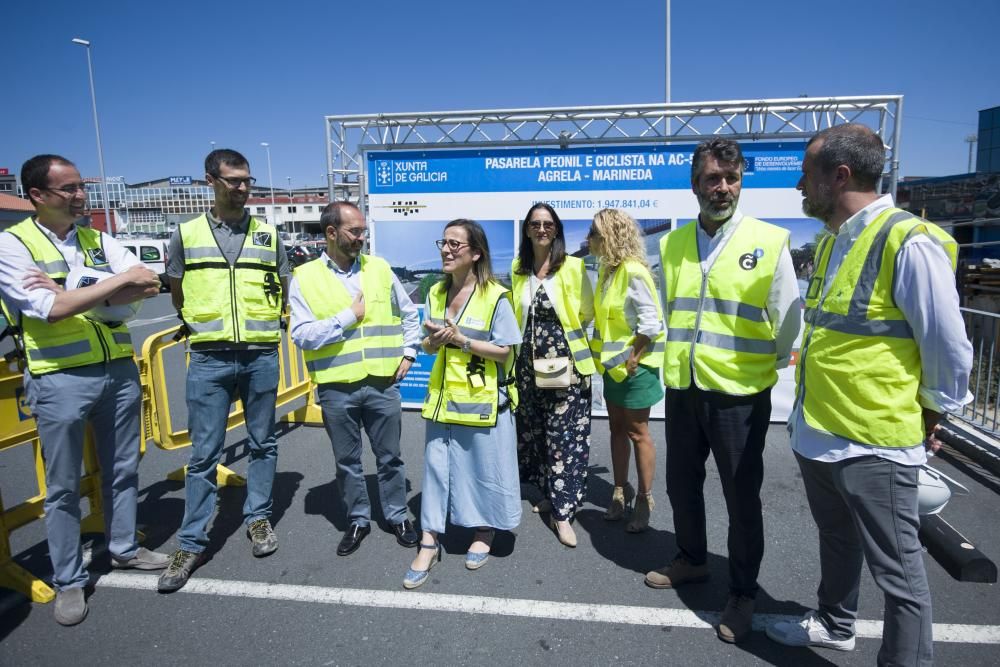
<point x="351" y="540"/>
<point x="405" y="534"/>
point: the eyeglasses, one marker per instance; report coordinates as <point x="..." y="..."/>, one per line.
<point x="237" y="182"/>
<point x="70" y="189"/>
<point x="547" y="225"/>
<point x="452" y="244"/>
<point x="359" y="233"/>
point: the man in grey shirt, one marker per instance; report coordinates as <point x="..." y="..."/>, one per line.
<point x="228" y="277"/>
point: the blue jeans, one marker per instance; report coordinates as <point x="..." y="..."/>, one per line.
<point x="214" y="379"/>
<point x="106" y="395"/>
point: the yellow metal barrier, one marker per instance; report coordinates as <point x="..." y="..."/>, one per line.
<point x="17" y="427"/>
<point x="293" y="384"/>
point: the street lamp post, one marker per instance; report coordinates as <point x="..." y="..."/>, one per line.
<point x="270" y="180"/>
<point x="97" y="129"/>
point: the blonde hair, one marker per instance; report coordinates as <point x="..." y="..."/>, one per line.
<point x="621" y="239"/>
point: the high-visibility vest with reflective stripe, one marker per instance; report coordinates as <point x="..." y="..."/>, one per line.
<point x="373" y="346"/>
<point x="568" y="280"/>
<point x="453" y="396"/>
<point x="238" y="303"/>
<point x="74" y="341"/>
<point x="717" y="321"/>
<point x="859" y="369"/>
<point x="612" y="341"/>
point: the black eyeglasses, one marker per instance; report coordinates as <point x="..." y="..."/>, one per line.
<point x="70" y="189"/>
<point x="547" y="225"/>
<point x="237" y="182"/>
<point x="452" y="244"/>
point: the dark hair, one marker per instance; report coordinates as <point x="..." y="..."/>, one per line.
<point x="525" y="252"/>
<point x="483" y="267"/>
<point x="723" y="150"/>
<point x="857" y="147"/>
<point x="223" y="156"/>
<point x="35" y="172"/>
<point x="332" y="212"/>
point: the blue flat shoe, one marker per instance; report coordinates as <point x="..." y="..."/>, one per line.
<point x="416" y="578"/>
<point x="475" y="560"/>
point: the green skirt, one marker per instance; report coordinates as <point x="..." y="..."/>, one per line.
<point x="642" y="390"/>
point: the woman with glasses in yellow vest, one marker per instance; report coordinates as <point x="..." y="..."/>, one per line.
<point x="554" y="304"/>
<point x="470" y="463"/>
<point x="628" y="351"/>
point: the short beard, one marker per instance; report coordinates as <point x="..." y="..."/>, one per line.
<point x="820" y="208"/>
<point x="713" y="214"/>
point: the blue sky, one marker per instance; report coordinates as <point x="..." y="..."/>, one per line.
<point x="172" y="77"/>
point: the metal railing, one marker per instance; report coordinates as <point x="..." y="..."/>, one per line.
<point x="983" y="329"/>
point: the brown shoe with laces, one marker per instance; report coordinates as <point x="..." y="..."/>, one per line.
<point x="737" y="619"/>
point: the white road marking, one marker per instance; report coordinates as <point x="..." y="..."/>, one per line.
<point x="470" y="604"/>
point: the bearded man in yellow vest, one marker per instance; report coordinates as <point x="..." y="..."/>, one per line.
<point x="884" y="353"/>
<point x="359" y="331"/>
<point x="732" y="309"/>
<point x="228" y="273"/>
<point x="79" y="368"/>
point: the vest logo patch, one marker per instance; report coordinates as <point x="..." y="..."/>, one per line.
<point x="748" y="261"/>
<point x="86" y="281"/>
<point x="96" y="255"/>
<point x="473" y="322"/>
<point x="262" y="238"/>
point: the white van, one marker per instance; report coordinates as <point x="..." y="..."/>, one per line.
<point x="151" y="252"/>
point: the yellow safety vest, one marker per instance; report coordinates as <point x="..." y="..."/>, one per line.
<point x="568" y="280"/>
<point x="373" y="346"/>
<point x="464" y="388"/>
<point x="74" y="341"/>
<point x="238" y="303"/>
<point x="717" y="322"/>
<point x="612" y="341"/>
<point x="859" y="370"/>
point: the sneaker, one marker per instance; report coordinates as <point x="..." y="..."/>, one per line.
<point x="807" y="631"/>
<point x="144" y="559"/>
<point x="71" y="606"/>
<point x="179" y="570"/>
<point x="679" y="572"/>
<point x="265" y="542"/>
<point x="737" y="619"/>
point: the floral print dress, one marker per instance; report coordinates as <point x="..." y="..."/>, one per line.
<point x="553" y="425"/>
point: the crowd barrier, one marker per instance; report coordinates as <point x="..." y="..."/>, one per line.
<point x="17" y="429"/>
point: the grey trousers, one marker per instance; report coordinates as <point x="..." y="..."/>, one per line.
<point x="106" y="395"/>
<point x="866" y="508"/>
<point x="374" y="404"/>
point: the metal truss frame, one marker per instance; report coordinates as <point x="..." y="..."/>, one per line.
<point x="349" y="137"/>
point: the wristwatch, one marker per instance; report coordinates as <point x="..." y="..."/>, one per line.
<point x="467" y="345"/>
<point x="409" y="357"/>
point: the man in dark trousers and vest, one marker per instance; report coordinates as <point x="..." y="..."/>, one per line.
<point x="227" y="275"/>
<point x="884" y="353"/>
<point x="732" y="309"/>
<point x="79" y="368"/>
<point x="359" y="331"/>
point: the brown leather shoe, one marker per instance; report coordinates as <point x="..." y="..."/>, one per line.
<point x="737" y="619"/>
<point x="679" y="572"/>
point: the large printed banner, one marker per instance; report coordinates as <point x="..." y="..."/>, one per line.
<point x="413" y="194"/>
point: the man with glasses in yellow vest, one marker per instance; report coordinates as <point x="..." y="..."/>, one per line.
<point x="228" y="273"/>
<point x="732" y="308"/>
<point x="80" y="368"/>
<point x="884" y="353"/>
<point x="359" y="331"/>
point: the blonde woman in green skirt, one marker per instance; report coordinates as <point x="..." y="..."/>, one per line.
<point x="628" y="349"/>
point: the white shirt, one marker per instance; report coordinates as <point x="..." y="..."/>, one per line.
<point x="784" y="304"/>
<point x="924" y="290"/>
<point x="312" y="334"/>
<point x="15" y="260"/>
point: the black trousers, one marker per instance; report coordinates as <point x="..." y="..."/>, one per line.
<point x="733" y="429"/>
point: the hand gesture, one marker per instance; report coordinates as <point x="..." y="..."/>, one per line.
<point x="35" y="278"/>
<point x="358" y="307"/>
